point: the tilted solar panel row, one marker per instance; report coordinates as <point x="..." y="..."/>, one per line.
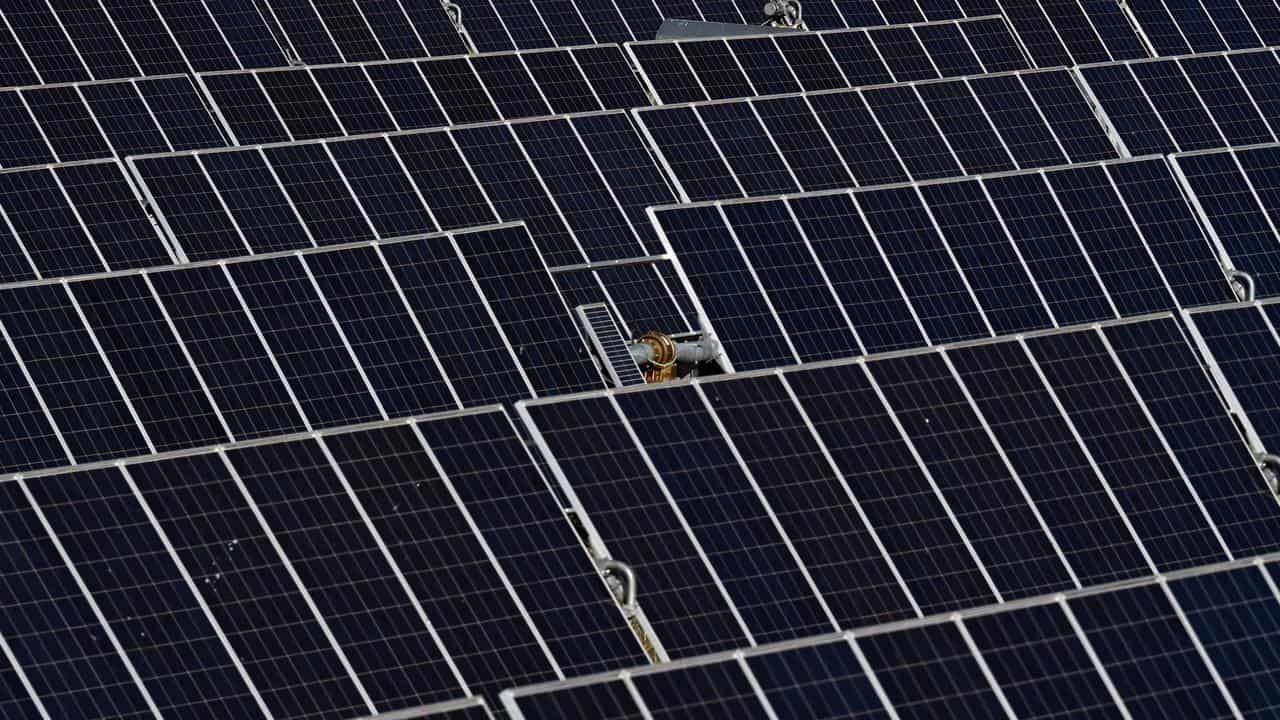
<point x="328" y="575"/>
<point x="58" y="42"/>
<point x="717" y="69"/>
<point x="93" y="120"/>
<point x="581" y="183"/>
<point x="1193" y="26"/>
<point x="874" y="136"/>
<point x="177" y="357"/>
<point x="334" y="100"/>
<point x="769" y="506"/>
<point x="1242" y="346"/>
<point x="1196" y="642"/>
<point x="636" y="291"/>
<point x="1236" y="193"/>
<point x="1059" y="33"/>
<point x="826" y="276"/>
<point x="1190" y="103"/>
<point x="72" y="219"/>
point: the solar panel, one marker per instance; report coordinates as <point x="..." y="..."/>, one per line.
<point x="1240" y="344"/>
<point x="86" y="121"/>
<point x="1234" y="193"/>
<point x="201" y="353"/>
<point x="1186" y="104"/>
<point x="967" y="518"/>
<point x="227" y="580"/>
<point x="580" y="182"/>
<point x="357" y="98"/>
<point x="643" y="294"/>
<point x="878" y="135"/>
<point x="1167" y="644"/>
<point x="836" y="59"/>
<point x="69" y="219"/>
<point x="1181" y="28"/>
<point x="474" y="708"/>
<point x="824" y="276"/>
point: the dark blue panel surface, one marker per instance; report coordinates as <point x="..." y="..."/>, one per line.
<point x="1184" y="403"/>
<point x="722" y="282"/>
<point x="1040" y="664"/>
<point x="46" y="45"/>
<point x="1180" y="109"/>
<point x="1257" y="71"/>
<point x="384" y="192"/>
<point x="857" y="58"/>
<point x="464" y="337"/>
<point x="715" y="69"/>
<point x="22" y="143"/>
<point x="793" y="281"/>
<point x="300" y="104"/>
<point x="73" y="380"/>
<point x="1022" y="127"/>
<point x="582" y="196"/>
<point x="306" y="31"/>
<point x="66" y="123"/>
<point x="245" y="108"/>
<point x="691" y="154"/>
<point x="612" y="700"/>
<point x="511" y="183"/>
<point x="1072" y="118"/>
<point x="252" y="193"/>
<point x="1115" y="247"/>
<point x="1187" y="261"/>
<point x="995" y="44"/>
<point x="15" y="69"/>
<point x="337" y="559"/>
<point x="121" y="230"/>
<point x="512" y="276"/>
<point x="30" y="440"/>
<point x="896" y="495"/>
<point x="864" y="284"/>
<point x="617" y="149"/>
<point x="804" y="143"/>
<point x="201" y="38"/>
<point x="611" y="77"/>
<point x="811" y="501"/>
<point x="744" y="144"/>
<point x="245" y="26"/>
<point x="810" y="61"/>
<point x="1057" y="473"/>
<point x="761" y="59"/>
<point x="124" y="118"/>
<point x="445" y="565"/>
<point x="50" y="626"/>
<point x="436" y="30"/>
<point x="247" y="586"/>
<point x="1146" y="651"/>
<point x="669" y="73"/>
<point x="1248" y="355"/>
<point x="609" y="477"/>
<point x="1227" y="100"/>
<point x="968" y="468"/>
<point x="728" y="518"/>
<point x="354" y="99"/>
<point x="349" y="30"/>
<point x="1034" y="28"/>
<point x="1128" y="110"/>
<point x="920" y="261"/>
<point x="509" y="86"/>
<point x="190" y="207"/>
<point x="304" y="342"/>
<point x="459" y="91"/>
<point x="406" y="95"/>
<point x="903" y="54"/>
<point x="142" y="595"/>
<point x="381" y="331"/>
<point x="441" y="174"/>
<point x="182" y="113"/>
<point x="319" y="195"/>
<point x="908" y="125"/>
<point x="563" y="84"/>
<point x="929" y="672"/>
<point x="861" y="142"/>
<point x="949" y="50"/>
<point x="39" y="214"/>
<point x="495" y="478"/>
<point x="1233" y="614"/>
<point x="1224" y="195"/>
<point x="149" y="362"/>
<point x="232" y="361"/>
<point x="989" y="260"/>
<point x="965" y="125"/>
<point x="819" y="681"/>
<point x="1127" y="450"/>
<point x="720" y="689"/>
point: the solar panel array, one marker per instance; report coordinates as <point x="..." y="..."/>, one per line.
<point x="338" y="573"/>
<point x="824" y="276"/>
<point x="717" y="69"/>
<point x="278" y="105"/>
<point x="148" y="361"/>
<point x="948" y="479"/>
<point x="1181" y="643"/>
<point x="874" y="136"/>
<point x="979" y="339"/>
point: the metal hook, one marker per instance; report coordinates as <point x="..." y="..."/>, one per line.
<point x="627" y="577"/>
<point x="1270" y="465"/>
<point x="1243" y="284"/>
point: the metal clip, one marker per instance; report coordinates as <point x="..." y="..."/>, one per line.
<point x="1243" y="285"/>
<point x="1270" y="465"/>
<point x="621" y="573"/>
